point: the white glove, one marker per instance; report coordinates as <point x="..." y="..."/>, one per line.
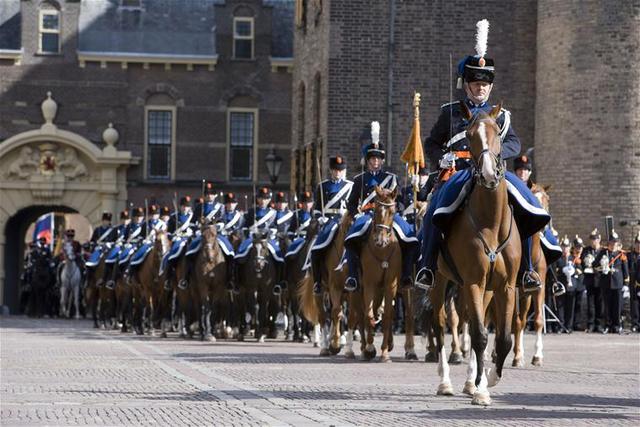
<point x="323" y="220"/>
<point x="625" y="292"/>
<point x="415" y="180"/>
<point x="448" y="161"/>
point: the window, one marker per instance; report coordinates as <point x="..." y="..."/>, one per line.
<point x="160" y="131"/>
<point x="49" y="29"/>
<point x="242" y="132"/>
<point x="243" y="38"/>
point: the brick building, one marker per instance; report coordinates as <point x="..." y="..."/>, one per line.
<point x="358" y="61"/>
<point x="147" y="97"/>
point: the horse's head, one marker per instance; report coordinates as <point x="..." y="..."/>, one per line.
<point x="383" y="215"/>
<point x="209" y="236"/>
<point x="483" y="134"/>
<point x="162" y="243"/>
<point x="260" y="259"/>
<point x="68" y="251"/>
<point x="542" y="194"/>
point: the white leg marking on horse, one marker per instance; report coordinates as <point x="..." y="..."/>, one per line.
<point x="445" y="387"/>
<point x="521" y="339"/>
<point x="343" y="339"/>
<point x="316" y="335"/>
<point x="472" y="369"/>
<point x="539" y="344"/>
<point x="285" y="320"/>
<point x="482" y="387"/>
<point x="348" y="352"/>
<point x="466" y="338"/>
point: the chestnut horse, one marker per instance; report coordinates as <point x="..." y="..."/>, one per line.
<point x="92" y="289"/>
<point x="485" y="251"/>
<point x="381" y="260"/>
<point x="536" y="297"/>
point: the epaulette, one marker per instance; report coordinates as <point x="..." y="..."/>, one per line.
<point x="449" y="103"/>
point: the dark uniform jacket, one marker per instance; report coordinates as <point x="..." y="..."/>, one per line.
<point x="104" y="234"/>
<point x="363" y="191"/>
<point x="333" y="199"/>
<point x="588" y="256"/>
<point x="618" y="269"/>
<point x="448" y="134"/>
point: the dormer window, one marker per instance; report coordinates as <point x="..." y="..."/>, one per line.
<point x="49" y="32"/>
<point x="243" y="38"/>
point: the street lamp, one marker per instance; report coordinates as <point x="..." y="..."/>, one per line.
<point x="273" y="162"/>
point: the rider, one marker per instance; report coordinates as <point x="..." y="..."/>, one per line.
<point x="331" y="202"/>
<point x="70" y="243"/>
<point x="283" y="221"/>
<point x="181" y="227"/>
<point x="133" y="235"/>
<point x="231" y="222"/>
<point x="361" y="205"/>
<point x="105" y="232"/>
<point x="299" y="223"/>
<point x="448" y="147"/>
<point x="212" y="211"/>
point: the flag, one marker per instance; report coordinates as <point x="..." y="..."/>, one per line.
<point x="44" y="228"/>
<point x="413" y="155"/>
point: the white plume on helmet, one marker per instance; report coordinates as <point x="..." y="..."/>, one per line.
<point x="482" y="35"/>
<point x="375" y="133"/>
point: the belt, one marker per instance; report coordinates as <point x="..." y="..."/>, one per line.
<point x="333" y="211"/>
<point x="445" y="174"/>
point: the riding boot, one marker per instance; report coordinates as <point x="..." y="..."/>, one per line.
<point x="431" y="238"/>
<point x="530" y="279"/>
<point x="232" y="283"/>
<point x="353" y="264"/>
<point x="408" y="255"/>
<point x="316" y="266"/>
<point x="281" y="284"/>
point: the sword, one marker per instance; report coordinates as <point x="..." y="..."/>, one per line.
<point x="321" y="192"/>
<point x="202" y="205"/>
<point x="146" y="218"/>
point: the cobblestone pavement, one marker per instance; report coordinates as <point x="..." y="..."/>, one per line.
<point x="56" y="372"/>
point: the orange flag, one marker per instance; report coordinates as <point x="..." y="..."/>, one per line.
<point x="413" y="155"/>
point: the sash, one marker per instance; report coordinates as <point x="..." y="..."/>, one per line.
<point x="213" y="212"/>
<point x="339" y="195"/>
<point x="304" y="225"/>
<point x="104" y="235"/>
<point x="457" y="137"/>
<point x="371" y="195"/>
<point x="185" y="224"/>
<point x="233" y="221"/>
<point x="506" y="124"/>
<point x="284" y="218"/>
<point x="135" y="233"/>
<point x="265" y="218"/>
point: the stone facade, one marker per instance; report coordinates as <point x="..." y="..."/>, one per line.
<point x="370" y="72"/>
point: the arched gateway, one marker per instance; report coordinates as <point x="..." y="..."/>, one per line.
<point x="54" y="169"/>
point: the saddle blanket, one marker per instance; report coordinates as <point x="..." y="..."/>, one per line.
<point x="550" y="248"/>
<point x="94" y="258"/>
<point x="113" y="254"/>
<point x="326" y="235"/>
<point x="527" y="211"/>
<point x="223" y="242"/>
<point x="125" y="254"/>
<point x="247" y="244"/>
<point x="295" y="247"/>
<point x="362" y="224"/>
<point x="140" y="255"/>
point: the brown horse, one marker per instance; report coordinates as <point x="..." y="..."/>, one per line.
<point x="537" y="297"/>
<point x="381" y="261"/>
<point x="92" y="289"/>
<point x="485" y="252"/>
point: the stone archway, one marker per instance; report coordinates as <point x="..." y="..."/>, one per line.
<point x="54" y="167"/>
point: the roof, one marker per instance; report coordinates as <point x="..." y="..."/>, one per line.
<point x="10" y="38"/>
<point x="282" y="31"/>
<point x="162" y="27"/>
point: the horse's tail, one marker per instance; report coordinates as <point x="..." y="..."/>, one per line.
<point x="307" y="300"/>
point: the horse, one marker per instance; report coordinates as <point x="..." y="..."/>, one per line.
<point x="92" y="289"/>
<point x="257" y="275"/>
<point x="536" y="297"/>
<point x="208" y="279"/>
<point x="383" y="261"/>
<point x="70" y="278"/>
<point x="485" y="221"/>
<point x="298" y="327"/>
<point x="146" y="283"/>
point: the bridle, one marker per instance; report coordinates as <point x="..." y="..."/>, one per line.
<point x="500" y="167"/>
<point x="387" y="205"/>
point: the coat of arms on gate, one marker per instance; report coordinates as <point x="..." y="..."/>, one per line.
<point x="48" y="159"/>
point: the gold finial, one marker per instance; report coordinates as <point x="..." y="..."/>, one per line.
<point x="416" y="105"/>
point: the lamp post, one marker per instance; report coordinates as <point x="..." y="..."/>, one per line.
<point x="273" y="162"/>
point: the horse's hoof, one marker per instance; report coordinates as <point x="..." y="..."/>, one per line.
<point x="211" y="338"/>
<point x="431" y="357"/>
<point x="261" y="339"/>
<point x="349" y="354"/>
<point x="482" y="399"/>
<point x="385" y="358"/>
<point x="316" y="345"/>
<point x="343" y="340"/>
<point x="536" y="361"/>
<point x="334" y="350"/>
<point x="325" y="352"/>
<point x="410" y="355"/>
<point x="493" y="379"/>
<point x="465" y="354"/>
<point x="455" y="358"/>
<point x="445" y="389"/>
<point x="517" y="363"/>
<point x="469" y="388"/>
<point x="163" y="334"/>
<point x="369" y="354"/>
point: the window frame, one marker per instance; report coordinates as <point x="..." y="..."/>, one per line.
<point x="251" y="20"/>
<point x="42" y="30"/>
<point x="254" y="151"/>
<point x="174" y="120"/>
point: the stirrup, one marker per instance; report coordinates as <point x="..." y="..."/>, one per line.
<point x="277" y="290"/>
<point x="531" y="281"/>
<point x="183" y="284"/>
<point x="167" y="285"/>
<point x="558" y="289"/>
<point x="425" y="279"/>
<point x="110" y="284"/>
<point x="351" y="284"/>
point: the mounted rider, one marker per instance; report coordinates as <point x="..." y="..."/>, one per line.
<point x="104" y="233"/>
<point x="231" y="223"/>
<point x="448" y="147"/>
<point x="70" y="246"/>
<point x="302" y="218"/>
<point x="134" y="234"/>
<point x="181" y="226"/>
<point x="361" y="204"/>
<point x="331" y="203"/>
<point x="151" y="228"/>
<point x="283" y="221"/>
